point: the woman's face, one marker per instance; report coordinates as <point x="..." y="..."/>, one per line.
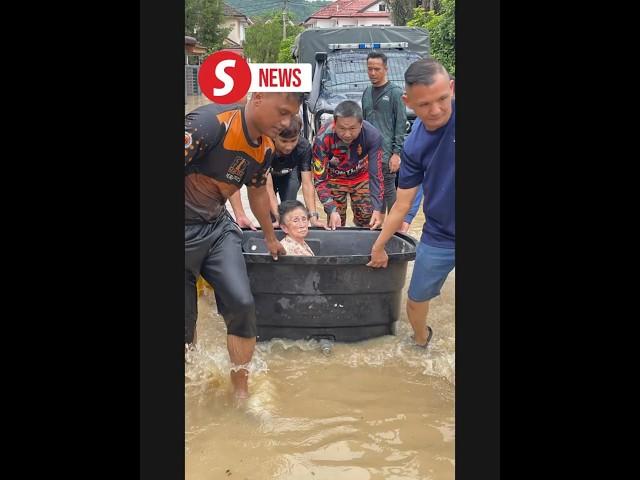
<point x="296" y="224"/>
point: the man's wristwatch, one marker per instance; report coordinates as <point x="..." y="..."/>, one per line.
<point x="315" y="214"/>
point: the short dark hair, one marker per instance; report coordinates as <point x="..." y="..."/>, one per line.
<point x="348" y="108"/>
<point x="423" y="72"/>
<point x="289" y="206"/>
<point x="297" y="96"/>
<point x="380" y="55"/>
<point x="294" y="128"/>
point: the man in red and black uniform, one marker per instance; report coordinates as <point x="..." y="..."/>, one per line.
<point x="227" y="147"/>
<point x="347" y="160"/>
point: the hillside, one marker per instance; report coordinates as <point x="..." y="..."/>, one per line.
<point x="301" y="9"/>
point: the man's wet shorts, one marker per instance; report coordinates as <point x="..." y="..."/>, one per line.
<point x="431" y="268"/>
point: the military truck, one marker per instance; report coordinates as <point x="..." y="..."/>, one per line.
<point x="339" y="64"/>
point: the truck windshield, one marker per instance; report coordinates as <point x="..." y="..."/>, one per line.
<point x="346" y="71"/>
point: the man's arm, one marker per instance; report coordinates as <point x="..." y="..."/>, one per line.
<point x="308" y="191"/>
<point x="364" y="102"/>
<point x="376" y="180"/>
<point x="414" y="208"/>
<point x="200" y="130"/>
<point x="238" y="211"/>
<point x="399" y="113"/>
<point x="259" y="202"/>
<point x="400" y="125"/>
<point x="309" y="194"/>
<point x="408" y="219"/>
<point x="411" y="179"/>
<point x="273" y="201"/>
<point x="404" y="199"/>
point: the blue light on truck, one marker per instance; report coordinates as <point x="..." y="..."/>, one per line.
<point x="339" y="46"/>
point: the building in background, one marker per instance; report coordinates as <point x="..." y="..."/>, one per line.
<point x="351" y="13"/>
<point x="238" y="22"/>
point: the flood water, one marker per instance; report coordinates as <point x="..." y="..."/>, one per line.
<point x="378" y="409"/>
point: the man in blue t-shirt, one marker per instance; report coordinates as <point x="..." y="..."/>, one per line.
<point x="428" y="160"/>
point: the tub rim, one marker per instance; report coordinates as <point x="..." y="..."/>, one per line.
<point x="334" y="259"/>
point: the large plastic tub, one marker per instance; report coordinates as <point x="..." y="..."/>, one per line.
<point x="333" y="295"/>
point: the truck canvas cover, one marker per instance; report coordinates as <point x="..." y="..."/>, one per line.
<point x="315" y="40"/>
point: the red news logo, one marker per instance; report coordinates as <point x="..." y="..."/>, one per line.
<point x="280" y="77"/>
<point x="226" y="77"/>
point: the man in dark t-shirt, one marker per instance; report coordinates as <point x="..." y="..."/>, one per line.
<point x="291" y="167"/>
<point x="382" y="106"/>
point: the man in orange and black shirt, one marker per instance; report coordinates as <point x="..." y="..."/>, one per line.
<point x="227" y="147"/>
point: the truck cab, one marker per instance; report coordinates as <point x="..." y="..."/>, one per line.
<point x="339" y="65"/>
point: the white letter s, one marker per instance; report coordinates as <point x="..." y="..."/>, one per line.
<point x="226" y="79"/>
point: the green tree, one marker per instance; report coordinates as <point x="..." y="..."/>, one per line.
<point x="284" y="55"/>
<point x="442" y="32"/>
<point x="203" y="20"/>
<point x="400" y="11"/>
<point x="431" y="5"/>
<point x="264" y="38"/>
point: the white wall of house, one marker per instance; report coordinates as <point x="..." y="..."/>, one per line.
<point x="346" y="22"/>
<point x="234" y="34"/>
<point x="363" y="22"/>
<point x="237" y="33"/>
<point x="323" y="22"/>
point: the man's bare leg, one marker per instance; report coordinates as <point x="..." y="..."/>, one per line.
<point x="417" y="314"/>
<point x="240" y="353"/>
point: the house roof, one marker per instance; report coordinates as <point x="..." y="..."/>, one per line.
<point x="228" y="43"/>
<point x="229" y="11"/>
<point x="348" y="8"/>
<point x="192" y="47"/>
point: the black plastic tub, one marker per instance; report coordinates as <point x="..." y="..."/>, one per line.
<point x="333" y="295"/>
